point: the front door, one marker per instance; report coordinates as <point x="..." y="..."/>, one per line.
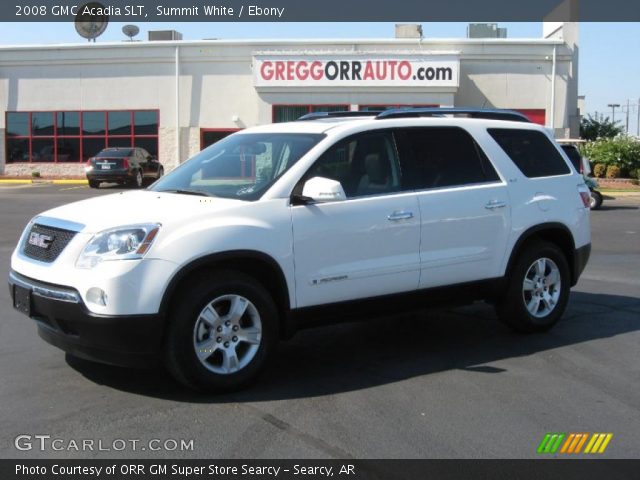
<point x="366" y="245"/>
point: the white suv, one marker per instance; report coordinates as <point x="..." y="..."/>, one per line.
<point x="286" y="225"/>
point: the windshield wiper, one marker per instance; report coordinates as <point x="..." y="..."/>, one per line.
<point x="188" y="192"/>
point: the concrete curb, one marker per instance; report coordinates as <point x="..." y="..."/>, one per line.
<point x="19" y="181"/>
<point x="608" y="194"/>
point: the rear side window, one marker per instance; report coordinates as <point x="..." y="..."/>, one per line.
<point x="531" y="151"/>
<point x="437" y="157"/>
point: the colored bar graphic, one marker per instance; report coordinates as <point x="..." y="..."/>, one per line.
<point x="598" y="443"/>
<point x="574" y="442"/>
<point x="551" y="442"/>
<point x="581" y="443"/>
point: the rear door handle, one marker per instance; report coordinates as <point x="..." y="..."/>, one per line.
<point x="400" y="215"/>
<point x="493" y="204"/>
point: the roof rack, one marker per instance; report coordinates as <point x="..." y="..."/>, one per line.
<point x="490" y="114"/>
<point x="338" y="114"/>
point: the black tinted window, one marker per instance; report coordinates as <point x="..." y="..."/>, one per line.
<point x="574" y="155"/>
<point x="531" y="151"/>
<point x="436" y="157"/>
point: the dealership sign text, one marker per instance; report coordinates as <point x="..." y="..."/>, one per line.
<point x="383" y="71"/>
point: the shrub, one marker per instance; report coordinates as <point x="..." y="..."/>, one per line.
<point x="35" y="174"/>
<point x="599" y="169"/>
<point x="622" y="151"/>
<point x="613" y="171"/>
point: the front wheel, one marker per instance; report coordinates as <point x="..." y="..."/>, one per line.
<point x="222" y="331"/>
<point x="538" y="290"/>
<point x="596" y="200"/>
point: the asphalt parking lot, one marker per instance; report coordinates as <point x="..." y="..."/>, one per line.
<point x="438" y="384"/>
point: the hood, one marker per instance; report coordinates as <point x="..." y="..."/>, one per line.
<point x="144" y="206"/>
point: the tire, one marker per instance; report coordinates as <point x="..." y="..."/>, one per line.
<point x="94" y="184"/>
<point x="204" y="336"/>
<point x="138" y="180"/>
<point x="160" y="173"/>
<point x="596" y="200"/>
<point x="538" y="289"/>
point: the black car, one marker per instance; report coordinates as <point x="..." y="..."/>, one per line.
<point x="129" y="166"/>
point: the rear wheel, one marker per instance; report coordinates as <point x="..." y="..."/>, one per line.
<point x="596" y="200"/>
<point x="222" y="331"/>
<point x="137" y="180"/>
<point x="538" y="290"/>
<point x="94" y="184"/>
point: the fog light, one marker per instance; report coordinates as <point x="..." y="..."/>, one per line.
<point x="97" y="295"/>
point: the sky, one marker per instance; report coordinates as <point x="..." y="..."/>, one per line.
<point x="609" y="63"/>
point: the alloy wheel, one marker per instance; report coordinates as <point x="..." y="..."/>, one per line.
<point x="227" y="334"/>
<point x="541" y="287"/>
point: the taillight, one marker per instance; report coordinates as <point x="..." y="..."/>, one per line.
<point x="585" y="195"/>
<point x="88" y="166"/>
<point x="89" y="163"/>
<point x="125" y="162"/>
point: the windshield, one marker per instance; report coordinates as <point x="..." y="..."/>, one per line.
<point x="242" y="166"/>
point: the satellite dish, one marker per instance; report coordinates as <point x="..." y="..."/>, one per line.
<point x="130" y="31"/>
<point x="91" y="26"/>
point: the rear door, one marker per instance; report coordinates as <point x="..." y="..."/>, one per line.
<point x="366" y="245"/>
<point x="463" y="202"/>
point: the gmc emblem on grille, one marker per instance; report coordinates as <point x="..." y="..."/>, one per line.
<point x="40" y="240"/>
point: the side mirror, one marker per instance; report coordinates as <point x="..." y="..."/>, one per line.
<point x="320" y="190"/>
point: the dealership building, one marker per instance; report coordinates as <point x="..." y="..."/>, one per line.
<point x="64" y="103"/>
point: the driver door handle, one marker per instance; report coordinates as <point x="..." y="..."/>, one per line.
<point x="493" y="204"/>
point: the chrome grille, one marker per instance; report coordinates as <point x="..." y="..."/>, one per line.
<point x="60" y="238"/>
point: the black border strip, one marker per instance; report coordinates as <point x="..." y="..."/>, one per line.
<point x="336" y="10"/>
<point x="552" y="468"/>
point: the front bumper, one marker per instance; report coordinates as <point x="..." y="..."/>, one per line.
<point x="64" y="321"/>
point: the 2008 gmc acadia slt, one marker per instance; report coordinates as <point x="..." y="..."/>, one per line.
<point x="281" y="225"/>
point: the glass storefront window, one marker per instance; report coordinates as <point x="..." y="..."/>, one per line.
<point x="43" y="150"/>
<point x="145" y="122"/>
<point x="42" y="124"/>
<point x="290" y="113"/>
<point x="119" y="123"/>
<point x="93" y="123"/>
<point x="91" y="146"/>
<point x="72" y="136"/>
<point x="68" y="123"/>
<point x="18" y="124"/>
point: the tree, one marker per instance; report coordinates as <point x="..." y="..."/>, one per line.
<point x="591" y="128"/>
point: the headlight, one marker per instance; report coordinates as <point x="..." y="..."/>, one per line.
<point x="122" y="243"/>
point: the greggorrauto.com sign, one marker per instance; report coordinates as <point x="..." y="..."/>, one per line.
<point x="356" y="71"/>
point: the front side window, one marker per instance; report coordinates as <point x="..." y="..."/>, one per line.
<point x="365" y="164"/>
<point x="439" y="157"/>
<point x="242" y="166"/>
<point x="531" y="151"/>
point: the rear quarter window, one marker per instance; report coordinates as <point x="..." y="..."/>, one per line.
<point x="532" y="152"/>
